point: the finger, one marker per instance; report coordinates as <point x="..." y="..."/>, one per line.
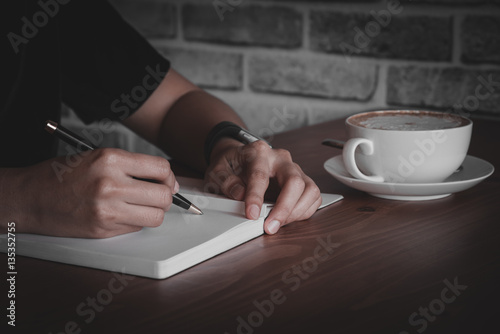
<point x="257" y="180"/>
<point x="141" y="216"/>
<point x="312" y="209"/>
<point x="305" y="213"/>
<point x="308" y="202"/>
<point x="144" y="193"/>
<point x="223" y="178"/>
<point x="146" y="167"/>
<point x="234" y="187"/>
<point x="292" y="187"/>
<point x="105" y="233"/>
<point x="154" y="169"/>
<point x="120" y="217"/>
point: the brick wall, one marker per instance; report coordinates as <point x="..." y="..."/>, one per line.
<point x="287" y="64"/>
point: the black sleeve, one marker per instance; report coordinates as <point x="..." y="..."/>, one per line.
<point x="108" y="69"/>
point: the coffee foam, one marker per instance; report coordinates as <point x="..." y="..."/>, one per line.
<point x="408" y="121"/>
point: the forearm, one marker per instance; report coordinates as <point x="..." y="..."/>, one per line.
<point x="187" y="124"/>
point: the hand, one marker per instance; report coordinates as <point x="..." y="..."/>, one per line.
<point x="243" y="172"/>
<point x="98" y="197"/>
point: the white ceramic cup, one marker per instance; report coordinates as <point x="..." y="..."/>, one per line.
<point x="405" y="146"/>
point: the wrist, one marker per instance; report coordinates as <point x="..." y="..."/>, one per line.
<point x="227" y="129"/>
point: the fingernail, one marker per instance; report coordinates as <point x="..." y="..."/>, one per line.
<point x="273" y="226"/>
<point x="237" y="191"/>
<point x="176" y="187"/>
<point x="254" y="211"/>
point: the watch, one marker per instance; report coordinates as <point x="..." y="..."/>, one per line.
<point x="231" y="130"/>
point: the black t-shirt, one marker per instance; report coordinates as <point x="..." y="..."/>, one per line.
<point x="79" y="52"/>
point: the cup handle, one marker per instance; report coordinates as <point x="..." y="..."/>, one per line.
<point x="350" y="161"/>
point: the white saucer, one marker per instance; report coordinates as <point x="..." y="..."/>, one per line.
<point x="473" y="171"/>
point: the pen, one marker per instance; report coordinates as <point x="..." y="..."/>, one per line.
<point x="76" y="141"/>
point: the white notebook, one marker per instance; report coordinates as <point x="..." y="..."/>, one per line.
<point x="182" y="241"/>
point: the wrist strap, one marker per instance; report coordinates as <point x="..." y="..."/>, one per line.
<point x="227" y="129"/>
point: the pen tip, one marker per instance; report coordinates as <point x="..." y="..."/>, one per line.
<point x="50" y="126"/>
<point x="195" y="210"/>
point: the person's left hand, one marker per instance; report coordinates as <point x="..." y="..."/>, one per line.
<point x="243" y="172"/>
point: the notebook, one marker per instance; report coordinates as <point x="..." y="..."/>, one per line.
<point x="182" y="241"/>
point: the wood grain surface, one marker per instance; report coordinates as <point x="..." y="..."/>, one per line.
<point x="363" y="265"/>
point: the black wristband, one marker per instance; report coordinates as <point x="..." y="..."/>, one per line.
<point x="227" y="129"/>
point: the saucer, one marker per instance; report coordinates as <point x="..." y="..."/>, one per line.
<point x="473" y="171"/>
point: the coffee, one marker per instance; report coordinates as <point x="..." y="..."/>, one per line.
<point x="408" y="120"/>
<point x="405" y="146"/>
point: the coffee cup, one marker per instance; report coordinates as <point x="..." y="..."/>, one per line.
<point x="405" y="146"/>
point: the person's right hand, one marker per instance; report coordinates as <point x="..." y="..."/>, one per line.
<point x="98" y="198"/>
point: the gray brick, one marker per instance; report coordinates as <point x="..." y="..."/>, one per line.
<point x="208" y="69"/>
<point x="245" y="25"/>
<point x="312" y="77"/>
<point x="153" y="18"/>
<point x="328" y="1"/>
<point x="452" y="89"/>
<point x="455" y="2"/>
<point x="401" y="37"/>
<point x="451" y="2"/>
<point x="266" y="120"/>
<point x="481" y="39"/>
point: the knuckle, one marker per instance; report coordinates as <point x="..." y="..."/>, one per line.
<point x="255" y="149"/>
<point x="283" y="154"/>
<point x="219" y="176"/>
<point x="260" y="145"/>
<point x="101" y="216"/>
<point x="316" y="192"/>
<point x="297" y="167"/>
<point x="259" y="175"/>
<point x="104" y="187"/>
<point x="166" y="198"/>
<point x="106" y="158"/>
<point x="229" y="185"/>
<point x="225" y="186"/>
<point x="163" y="166"/>
<point x="156" y="218"/>
<point x="296" y="181"/>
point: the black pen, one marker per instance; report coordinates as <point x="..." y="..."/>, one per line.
<point x="80" y="144"/>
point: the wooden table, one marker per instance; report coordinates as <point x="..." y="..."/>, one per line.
<point x="363" y="265"/>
